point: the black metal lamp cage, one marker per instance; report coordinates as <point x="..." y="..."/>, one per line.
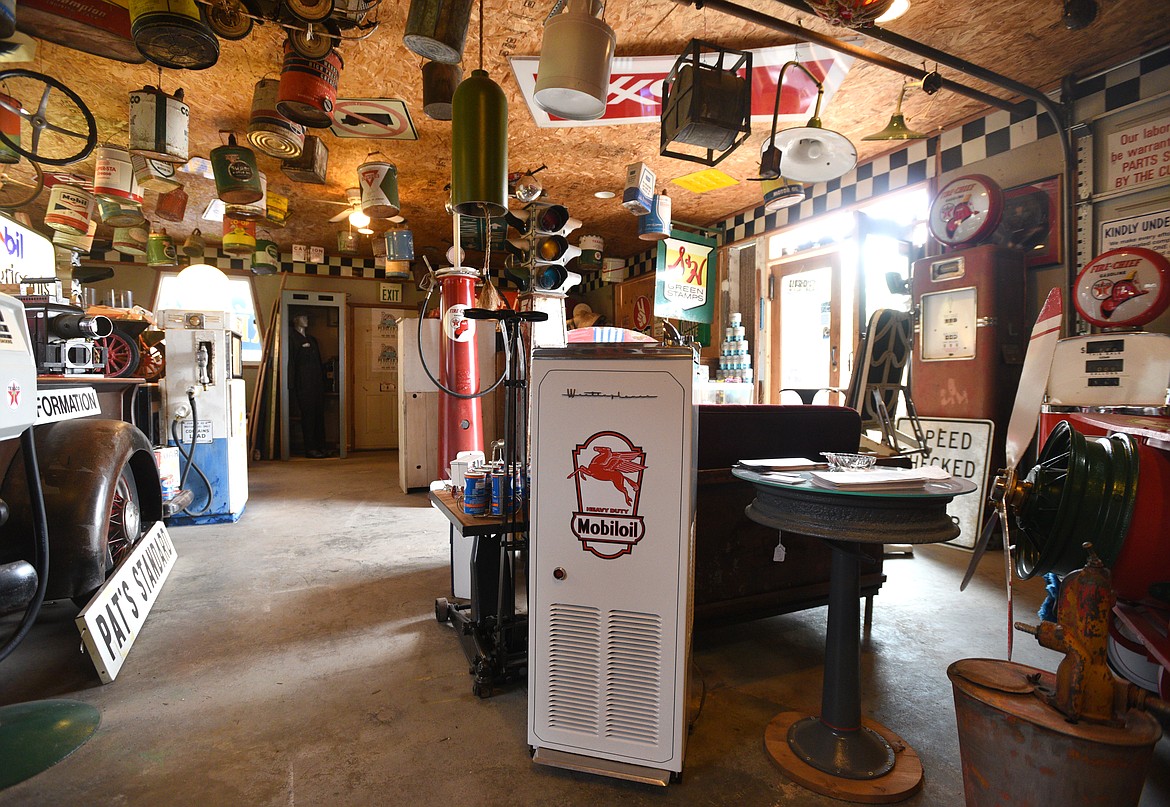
<point x="706" y="103"/>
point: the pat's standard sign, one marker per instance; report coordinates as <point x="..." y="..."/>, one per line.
<point x="112" y="620"/>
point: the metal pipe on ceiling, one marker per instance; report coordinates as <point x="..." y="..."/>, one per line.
<point x="848" y="48"/>
<point x="942" y="57"/>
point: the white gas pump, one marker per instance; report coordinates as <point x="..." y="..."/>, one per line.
<point x="204" y="406"/>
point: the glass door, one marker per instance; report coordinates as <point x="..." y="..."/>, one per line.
<point x="805" y="322"/>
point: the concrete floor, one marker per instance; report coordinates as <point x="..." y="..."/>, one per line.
<point x="294" y="658"/>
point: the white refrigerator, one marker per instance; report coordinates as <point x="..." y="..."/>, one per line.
<point x="611" y="547"/>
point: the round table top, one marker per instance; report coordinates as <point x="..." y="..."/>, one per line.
<point x="943" y="488"/>
<point x="902" y="515"/>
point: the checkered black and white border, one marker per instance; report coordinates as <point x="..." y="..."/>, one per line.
<point x="351" y="266"/>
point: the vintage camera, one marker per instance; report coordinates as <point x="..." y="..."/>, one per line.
<point x="63" y="337"/>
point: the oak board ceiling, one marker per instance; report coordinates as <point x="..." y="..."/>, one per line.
<point x="1024" y="40"/>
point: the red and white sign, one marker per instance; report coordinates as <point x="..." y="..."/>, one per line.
<point x="1139" y="156"/>
<point x="373" y="118"/>
<point x="642" y="307"/>
<point x="1123" y="288"/>
<point x="607" y="471"/>
<point x="635" y="85"/>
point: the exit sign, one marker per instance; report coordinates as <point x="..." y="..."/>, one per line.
<point x="391" y="292"/>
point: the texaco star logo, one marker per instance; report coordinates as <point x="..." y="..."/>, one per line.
<point x="13" y="395"/>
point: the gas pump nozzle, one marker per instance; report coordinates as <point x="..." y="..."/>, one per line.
<point x="201" y="360"/>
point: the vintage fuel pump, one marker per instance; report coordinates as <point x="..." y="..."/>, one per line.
<point x="205" y="403"/>
<point x="971" y="311"/>
<point x="460" y="418"/>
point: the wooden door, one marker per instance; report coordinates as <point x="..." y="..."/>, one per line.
<point x="375" y="378"/>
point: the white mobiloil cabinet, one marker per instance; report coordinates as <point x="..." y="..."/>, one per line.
<point x="611" y="547"/>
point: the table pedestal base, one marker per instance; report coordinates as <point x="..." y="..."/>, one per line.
<point x="858" y="754"/>
<point x="902" y="781"/>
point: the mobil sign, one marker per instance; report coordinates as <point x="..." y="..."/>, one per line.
<point x="635" y="85"/>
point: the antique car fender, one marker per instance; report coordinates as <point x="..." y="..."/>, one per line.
<point x="80" y="462"/>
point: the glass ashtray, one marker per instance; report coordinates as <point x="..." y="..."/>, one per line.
<point x="849" y="462"/>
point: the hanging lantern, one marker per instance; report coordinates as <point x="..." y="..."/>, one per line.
<point x="706" y="103"/>
<point x="850" y="13"/>
<point x="479" y="147"/>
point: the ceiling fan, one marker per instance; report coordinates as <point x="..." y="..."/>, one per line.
<point x="353" y="211"/>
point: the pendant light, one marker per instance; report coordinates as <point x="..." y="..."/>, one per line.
<point x="780" y="193"/>
<point x="572" y="79"/>
<point x="850" y="13"/>
<point x="809" y="153"/>
<point x="479" y="143"/>
<point x="897" y="129"/>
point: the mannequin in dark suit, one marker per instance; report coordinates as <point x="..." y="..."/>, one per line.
<point x="307" y="383"/>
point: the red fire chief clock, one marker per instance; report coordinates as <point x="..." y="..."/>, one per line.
<point x="966" y="210"/>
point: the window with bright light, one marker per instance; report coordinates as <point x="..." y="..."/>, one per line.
<point x="239" y="301"/>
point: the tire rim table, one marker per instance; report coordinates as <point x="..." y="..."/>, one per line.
<point x="837" y="753"/>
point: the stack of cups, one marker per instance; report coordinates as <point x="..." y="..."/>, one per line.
<point x="735" y="362"/>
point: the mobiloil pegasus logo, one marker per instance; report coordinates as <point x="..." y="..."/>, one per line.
<point x="607" y="471"/>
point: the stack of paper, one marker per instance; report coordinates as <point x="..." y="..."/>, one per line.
<point x="782" y="464"/>
<point x="879" y="478"/>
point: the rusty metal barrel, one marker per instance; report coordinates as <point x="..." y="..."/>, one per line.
<point x="1016" y="749"/>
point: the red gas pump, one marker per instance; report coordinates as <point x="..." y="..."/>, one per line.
<point x="460" y="419"/>
<point x="972" y="331"/>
